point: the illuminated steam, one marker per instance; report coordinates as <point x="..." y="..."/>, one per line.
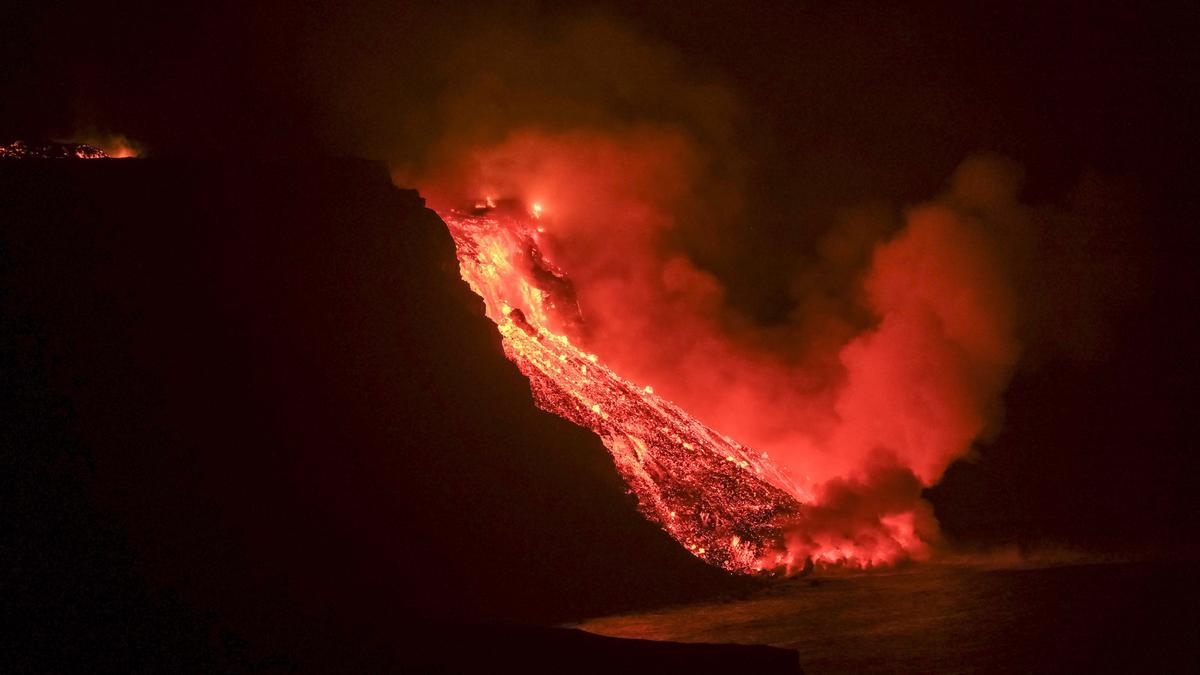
<point x="901" y="339"/>
<point x="862" y="420"/>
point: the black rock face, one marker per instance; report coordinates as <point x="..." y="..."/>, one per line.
<point x="253" y="416"/>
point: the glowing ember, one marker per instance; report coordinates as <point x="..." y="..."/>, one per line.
<point x="860" y="416"/>
<point x="91" y="146"/>
<point x="23" y="150"/>
<point x="727" y="504"/>
<point x="119" y="147"/>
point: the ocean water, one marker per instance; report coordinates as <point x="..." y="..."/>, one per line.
<point x="943" y="618"/>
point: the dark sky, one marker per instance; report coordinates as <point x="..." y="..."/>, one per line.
<point x="1056" y="86"/>
<point x="820" y="106"/>
<point x="827" y="105"/>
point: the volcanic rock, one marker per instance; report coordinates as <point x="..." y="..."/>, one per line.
<point x="254" y="416"/>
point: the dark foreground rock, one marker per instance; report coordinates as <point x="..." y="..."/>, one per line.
<point x="252" y="418"/>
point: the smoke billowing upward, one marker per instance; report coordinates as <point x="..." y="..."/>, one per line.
<point x="900" y="340"/>
<point x="765" y="289"/>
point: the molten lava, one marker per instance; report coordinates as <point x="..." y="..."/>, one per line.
<point x="726" y="503"/>
<point x="860" y="415"/>
<point x="23" y="150"/>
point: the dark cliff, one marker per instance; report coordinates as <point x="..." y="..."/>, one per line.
<point x="255" y="418"/>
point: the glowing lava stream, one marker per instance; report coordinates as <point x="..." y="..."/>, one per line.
<point x="724" y="502"/>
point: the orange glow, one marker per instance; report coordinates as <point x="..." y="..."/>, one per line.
<point x="115" y="146"/>
<point x="726" y="503"/>
<point x="838" y="428"/>
<point x="108" y="147"/>
<point x="700" y="486"/>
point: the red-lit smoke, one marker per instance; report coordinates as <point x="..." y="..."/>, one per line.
<point x="116" y="146"/>
<point x="863" y="417"/>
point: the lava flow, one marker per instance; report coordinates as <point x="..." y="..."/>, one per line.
<point x="726" y="503"/>
<point x="23" y="150"/>
<point x="97" y="147"/>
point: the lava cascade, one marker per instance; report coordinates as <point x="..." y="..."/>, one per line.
<point x="726" y="503"/>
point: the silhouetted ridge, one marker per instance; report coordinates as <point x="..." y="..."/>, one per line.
<point x="261" y="389"/>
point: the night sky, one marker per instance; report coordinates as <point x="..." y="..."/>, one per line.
<point x="811" y="110"/>
<point x="817" y="107"/>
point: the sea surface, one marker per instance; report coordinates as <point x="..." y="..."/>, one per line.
<point x="957" y="618"/>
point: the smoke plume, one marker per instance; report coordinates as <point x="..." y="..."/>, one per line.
<point x="899" y="345"/>
<point x="901" y="337"/>
<point x="870" y="348"/>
